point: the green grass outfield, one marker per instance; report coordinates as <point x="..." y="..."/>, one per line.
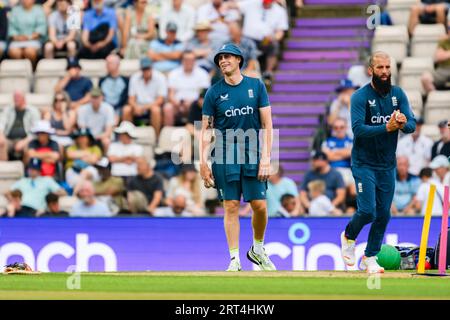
<point x="224" y="286"/>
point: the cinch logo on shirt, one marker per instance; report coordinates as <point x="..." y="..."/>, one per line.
<point x="238" y="112"/>
<point x="380" y="119"/>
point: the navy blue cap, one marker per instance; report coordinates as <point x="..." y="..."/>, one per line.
<point x="442" y="124"/>
<point x="319" y="155"/>
<point x="73" y="63"/>
<point x="82" y="132"/>
<point x="345" y="84"/>
<point x="35" y="164"/>
<point x="230" y="48"/>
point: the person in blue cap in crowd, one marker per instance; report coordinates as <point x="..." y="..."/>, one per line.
<point x="237" y="107"/>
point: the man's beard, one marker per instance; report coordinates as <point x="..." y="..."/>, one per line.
<point x="382" y="86"/>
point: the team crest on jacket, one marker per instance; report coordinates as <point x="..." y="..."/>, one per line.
<point x="394" y="101"/>
<point x="250" y="93"/>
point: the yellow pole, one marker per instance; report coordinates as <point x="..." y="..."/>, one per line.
<point x="426" y="230"/>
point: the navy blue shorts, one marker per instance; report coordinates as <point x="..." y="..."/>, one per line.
<point x="248" y="187"/>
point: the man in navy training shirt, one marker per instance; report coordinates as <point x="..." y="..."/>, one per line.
<point x="378" y="111"/>
<point x="234" y="104"/>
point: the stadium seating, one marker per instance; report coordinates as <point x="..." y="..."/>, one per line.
<point x="392" y="39"/>
<point x="128" y="67"/>
<point x="399" y="10"/>
<point x="10" y="172"/>
<point x="425" y="39"/>
<point x="6" y="99"/>
<point x="48" y="73"/>
<point x="175" y="139"/>
<point x="431" y="131"/>
<point x="415" y="100"/>
<point x="42" y="101"/>
<point x="394" y="70"/>
<point x="15" y="75"/>
<point x="93" y="69"/>
<point x="411" y="70"/>
<point x="146" y="137"/>
<point x="436" y="107"/>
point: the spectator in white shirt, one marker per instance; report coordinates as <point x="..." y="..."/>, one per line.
<point x="187" y="184"/>
<point x="417" y="148"/>
<point x="98" y="117"/>
<point x="203" y="46"/>
<point x="88" y="205"/>
<point x="146" y="93"/>
<point x="124" y="153"/>
<point x="441" y="178"/>
<point x="340" y="107"/>
<point x="218" y="13"/>
<point x="60" y="37"/>
<point x="183" y="15"/>
<point x="185" y="85"/>
<point x="266" y="22"/>
<point x="320" y="203"/>
<point x="359" y="75"/>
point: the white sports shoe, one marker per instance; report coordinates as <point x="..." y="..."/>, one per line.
<point x="235" y="265"/>
<point x="261" y="260"/>
<point x="370" y="265"/>
<point x="348" y="250"/>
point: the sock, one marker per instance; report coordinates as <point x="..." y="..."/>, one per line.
<point x="234" y="254"/>
<point x="258" y="246"/>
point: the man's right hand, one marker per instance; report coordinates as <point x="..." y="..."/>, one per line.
<point x="207" y="177"/>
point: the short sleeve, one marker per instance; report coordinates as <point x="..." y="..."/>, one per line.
<point x="339" y="180"/>
<point x="54" y="146"/>
<point x="132" y="86"/>
<point x="87" y="85"/>
<point x="113" y="19"/>
<point x="306" y="180"/>
<point x="421" y="193"/>
<point x="52" y="185"/>
<point x="328" y="206"/>
<point x="159" y="184"/>
<point x="162" y="86"/>
<point x="208" y="104"/>
<point x="291" y="187"/>
<point x="172" y="79"/>
<point x="113" y="150"/>
<point x="204" y="80"/>
<point x="33" y="144"/>
<point x="179" y="46"/>
<point x="110" y="115"/>
<point x="16" y="185"/>
<point x="97" y="151"/>
<point x="263" y="97"/>
<point x="81" y="121"/>
<point x="283" y="21"/>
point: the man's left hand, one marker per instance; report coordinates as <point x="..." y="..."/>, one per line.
<point x="401" y="119"/>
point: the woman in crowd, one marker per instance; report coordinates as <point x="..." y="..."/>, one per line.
<point x="81" y="158"/>
<point x="62" y="119"/>
<point x="27" y="28"/>
<point x="139" y="29"/>
<point x="187" y="184"/>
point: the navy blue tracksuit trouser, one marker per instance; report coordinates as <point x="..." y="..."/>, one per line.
<point x="375" y="191"/>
